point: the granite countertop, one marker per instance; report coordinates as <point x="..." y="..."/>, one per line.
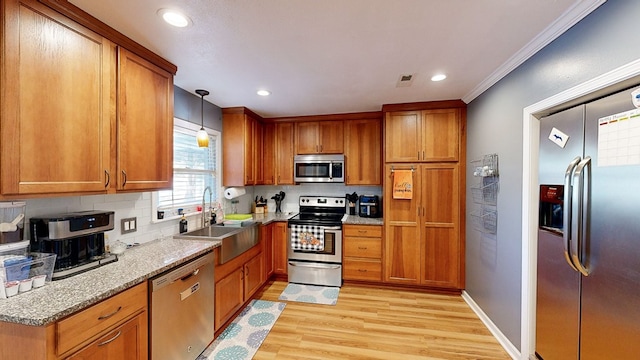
<point x="268" y="218"/>
<point x="357" y="220"/>
<point x="60" y="298"/>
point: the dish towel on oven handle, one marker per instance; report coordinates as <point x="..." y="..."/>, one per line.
<point x="307" y="237"/>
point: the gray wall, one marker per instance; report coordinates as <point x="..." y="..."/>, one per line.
<point x="601" y="42"/>
<point x="187" y="107"/>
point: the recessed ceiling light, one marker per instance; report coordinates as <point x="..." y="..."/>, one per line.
<point x="174" y="17"/>
<point x="438" y="77"/>
<point x="263" y="92"/>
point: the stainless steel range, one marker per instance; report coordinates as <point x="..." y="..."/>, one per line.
<point x="315" y="241"/>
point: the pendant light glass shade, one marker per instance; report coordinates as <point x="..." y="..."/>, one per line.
<point x="202" y="136"/>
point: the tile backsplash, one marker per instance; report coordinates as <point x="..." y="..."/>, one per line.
<point x="124" y="205"/>
<point x="139" y="205"/>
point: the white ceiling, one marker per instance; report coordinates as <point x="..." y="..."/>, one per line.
<point x="339" y="56"/>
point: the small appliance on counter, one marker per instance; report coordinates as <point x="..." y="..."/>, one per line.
<point x="352" y="199"/>
<point x="77" y="239"/>
<point x="370" y="206"/>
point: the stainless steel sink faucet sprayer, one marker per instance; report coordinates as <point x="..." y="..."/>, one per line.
<point x="204" y="192"/>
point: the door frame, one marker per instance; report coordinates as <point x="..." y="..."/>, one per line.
<point x="530" y="155"/>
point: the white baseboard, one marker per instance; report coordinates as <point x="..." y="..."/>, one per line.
<point x="506" y="344"/>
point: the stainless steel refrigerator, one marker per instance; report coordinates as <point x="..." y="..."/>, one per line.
<point x="588" y="280"/>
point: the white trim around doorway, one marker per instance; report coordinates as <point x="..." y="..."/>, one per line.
<point x="530" y="142"/>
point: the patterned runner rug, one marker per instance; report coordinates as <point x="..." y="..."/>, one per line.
<point x="314" y="294"/>
<point x="242" y="338"/>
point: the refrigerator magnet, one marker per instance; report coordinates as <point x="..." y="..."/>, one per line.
<point x="558" y="137"/>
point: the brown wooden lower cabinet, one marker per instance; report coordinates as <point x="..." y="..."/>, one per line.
<point x="423" y="241"/>
<point x="235" y="282"/>
<point x="124" y="342"/>
<point x="115" y="328"/>
<point x="362" y="252"/>
<point x="280" y="248"/>
<point x="229" y="296"/>
<point x="266" y="234"/>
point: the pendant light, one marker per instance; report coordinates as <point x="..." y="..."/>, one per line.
<point x="202" y="136"/>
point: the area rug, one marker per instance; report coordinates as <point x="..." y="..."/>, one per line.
<point x="242" y="338"/>
<point x="314" y="294"/>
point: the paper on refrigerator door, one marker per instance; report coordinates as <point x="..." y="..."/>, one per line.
<point x="558" y="137"/>
<point x="619" y="139"/>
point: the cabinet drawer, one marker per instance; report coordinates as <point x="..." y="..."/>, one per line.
<point x="92" y="321"/>
<point x="363" y="230"/>
<point x="357" y="269"/>
<point x="363" y="247"/>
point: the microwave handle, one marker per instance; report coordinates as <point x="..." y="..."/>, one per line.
<point x="330" y="169"/>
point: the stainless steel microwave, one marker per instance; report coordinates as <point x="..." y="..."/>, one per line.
<point x="319" y="168"/>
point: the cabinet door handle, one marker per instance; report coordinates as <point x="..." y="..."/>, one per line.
<point x="418" y="154"/>
<point x="362" y="247"/>
<point x="107" y="177"/>
<point x="423" y="157"/>
<point x="103" y="317"/>
<point x="124" y="178"/>
<point x="110" y="340"/>
<point x="362" y="231"/>
<point x="362" y="270"/>
<point x="320" y="148"/>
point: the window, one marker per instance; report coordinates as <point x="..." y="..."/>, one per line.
<point x="194" y="169"/>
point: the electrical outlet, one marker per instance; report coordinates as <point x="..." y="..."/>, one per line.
<point x="128" y="225"/>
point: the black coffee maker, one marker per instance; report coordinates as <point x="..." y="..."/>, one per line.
<point x="77" y="239"/>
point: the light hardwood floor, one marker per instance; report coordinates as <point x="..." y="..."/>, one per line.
<point x="371" y="323"/>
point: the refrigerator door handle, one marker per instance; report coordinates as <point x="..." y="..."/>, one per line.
<point x="567" y="215"/>
<point x="578" y="218"/>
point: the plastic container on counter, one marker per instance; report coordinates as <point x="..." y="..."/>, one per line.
<point x="28" y="269"/>
<point x="12" y="212"/>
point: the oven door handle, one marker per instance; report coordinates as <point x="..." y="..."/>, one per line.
<point x="331" y="228"/>
<point x="315" y="266"/>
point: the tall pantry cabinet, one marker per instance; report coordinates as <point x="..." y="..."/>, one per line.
<point x="424" y="235"/>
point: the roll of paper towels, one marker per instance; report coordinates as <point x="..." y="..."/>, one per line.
<point x="232" y="193"/>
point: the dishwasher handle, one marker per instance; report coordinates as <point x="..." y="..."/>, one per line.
<point x="183" y="272"/>
<point x="193" y="273"/>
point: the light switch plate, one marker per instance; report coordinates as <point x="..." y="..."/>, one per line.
<point x="128" y="225"/>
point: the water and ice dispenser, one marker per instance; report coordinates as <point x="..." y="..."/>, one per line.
<point x="551" y="208"/>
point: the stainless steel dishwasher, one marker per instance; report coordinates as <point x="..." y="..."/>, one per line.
<point x="181" y="310"/>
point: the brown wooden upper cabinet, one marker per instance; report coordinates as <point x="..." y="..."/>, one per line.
<point x="422" y="135"/>
<point x="277" y="154"/>
<point x="363" y="152"/>
<point x="240" y="151"/>
<point x="255" y="152"/>
<point x="67" y="127"/>
<point x="145" y="124"/>
<point x="55" y="113"/>
<point x="319" y="137"/>
<point x="284" y="154"/>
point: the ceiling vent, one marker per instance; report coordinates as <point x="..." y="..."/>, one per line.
<point x="405" y="80"/>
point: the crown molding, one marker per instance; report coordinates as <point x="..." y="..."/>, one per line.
<point x="579" y="10"/>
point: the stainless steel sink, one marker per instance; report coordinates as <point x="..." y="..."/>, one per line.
<point x="234" y="240"/>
